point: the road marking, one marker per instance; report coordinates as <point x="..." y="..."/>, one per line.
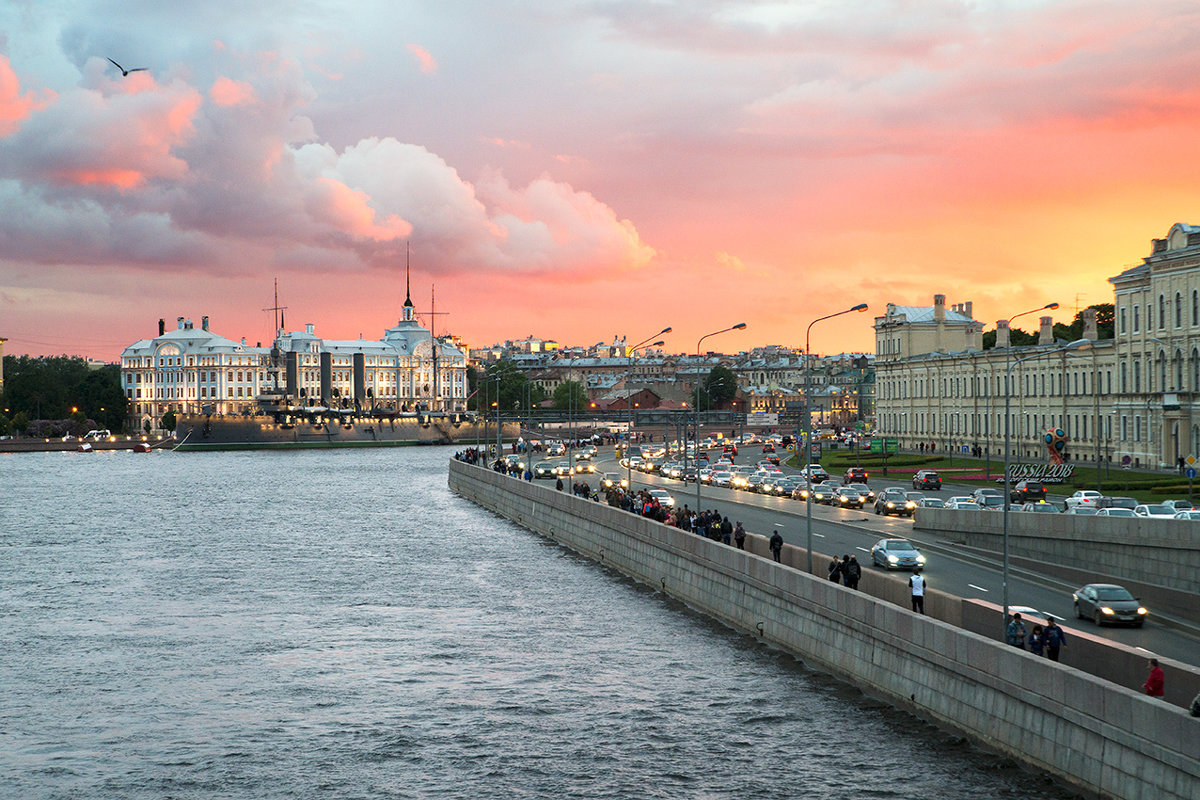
<point x="865" y="550"/>
<point x="819" y="534"/>
<point x="980" y="588"/>
<point x="1144" y="650"/>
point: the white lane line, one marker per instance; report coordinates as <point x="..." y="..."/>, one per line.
<point x="980" y="588"/>
<point x="865" y="550"/>
<point x="819" y="534"/>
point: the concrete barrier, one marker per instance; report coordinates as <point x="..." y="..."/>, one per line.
<point x="1103" y="739"/>
<point x="1157" y="559"/>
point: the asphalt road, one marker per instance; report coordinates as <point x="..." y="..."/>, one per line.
<point x="965" y="574"/>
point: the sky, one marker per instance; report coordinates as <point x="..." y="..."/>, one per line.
<point x="581" y="170"/>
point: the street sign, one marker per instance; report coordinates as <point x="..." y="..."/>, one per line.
<point x="1126" y="461"/>
<point x="1190" y="472"/>
<point x="1190" y="461"/>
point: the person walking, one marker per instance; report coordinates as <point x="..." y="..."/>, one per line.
<point x="1036" y="640"/>
<point x="1054" y="638"/>
<point x="558" y="484"/>
<point x="1016" y="632"/>
<point x="726" y="531"/>
<point x="917" y="584"/>
<point x="776" y="544"/>
<point x="835" y="570"/>
<point x="739" y="536"/>
<point x="852" y="572"/>
<point x="1154" y="683"/>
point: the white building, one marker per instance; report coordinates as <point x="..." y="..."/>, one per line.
<point x="190" y="370"/>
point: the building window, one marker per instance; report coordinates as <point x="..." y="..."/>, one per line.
<point x="1122" y="320"/>
<point x="1178" y="310"/>
<point x="1162" y="313"/>
<point x="1195" y="307"/>
<point x="1137" y="376"/>
<point x="1124" y="378"/>
<point x="1136" y="327"/>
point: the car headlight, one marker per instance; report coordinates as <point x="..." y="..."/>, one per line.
<point x="1106" y="610"/>
<point x="1142" y="610"/>
<point x="891" y="504"/>
<point x="920" y="559"/>
<point x="910" y="504"/>
<point x="893" y="560"/>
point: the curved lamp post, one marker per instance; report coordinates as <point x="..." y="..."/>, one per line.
<point x="1078" y="344"/>
<point x="629" y="402"/>
<point x="696" y="406"/>
<point x="808" y="426"/>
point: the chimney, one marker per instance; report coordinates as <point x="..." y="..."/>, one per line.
<point x="891" y="309"/>
<point x="967" y="309"/>
<point x="939" y="308"/>
<point x="162" y="326"/>
<point x="179" y="322"/>
<point x="1089" y="325"/>
<point x="1002" y="333"/>
<point x="204" y="322"/>
<point x="1046" y="334"/>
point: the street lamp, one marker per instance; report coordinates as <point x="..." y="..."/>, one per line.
<point x="629" y="403"/>
<point x="696" y="406"/>
<point x="808" y="425"/>
<point x="1078" y="344"/>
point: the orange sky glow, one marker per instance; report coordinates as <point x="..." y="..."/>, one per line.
<point x="580" y="172"/>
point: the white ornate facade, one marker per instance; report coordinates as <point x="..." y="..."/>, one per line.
<point x="1134" y="395"/>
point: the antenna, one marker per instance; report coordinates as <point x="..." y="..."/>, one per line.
<point x="1077" y="296"/>
<point x="278" y="309"/>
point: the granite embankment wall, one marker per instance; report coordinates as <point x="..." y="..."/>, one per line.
<point x="1157" y="559"/>
<point x="1103" y="739"/>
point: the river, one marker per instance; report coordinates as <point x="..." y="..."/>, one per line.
<point x="337" y="624"/>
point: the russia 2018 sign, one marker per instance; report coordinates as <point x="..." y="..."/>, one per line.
<point x="1046" y="473"/>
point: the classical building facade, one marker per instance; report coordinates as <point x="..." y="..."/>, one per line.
<point x="1134" y="395"/>
<point x="193" y="370"/>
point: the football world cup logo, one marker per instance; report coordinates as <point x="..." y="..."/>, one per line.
<point x="1056" y="443"/>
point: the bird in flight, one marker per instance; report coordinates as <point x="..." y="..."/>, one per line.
<point x="125" y="72"/>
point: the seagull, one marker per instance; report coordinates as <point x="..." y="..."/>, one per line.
<point x="125" y="72"/>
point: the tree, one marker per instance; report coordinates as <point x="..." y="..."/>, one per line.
<point x="168" y="421"/>
<point x="1016" y="338"/>
<point x="48" y="388"/>
<point x="570" y="395"/>
<point x="1104" y="324"/>
<point x="718" y="389"/>
<point x="20" y="422"/>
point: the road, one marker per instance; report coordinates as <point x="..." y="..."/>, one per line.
<point x="964" y="574"/>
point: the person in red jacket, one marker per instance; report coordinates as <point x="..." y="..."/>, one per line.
<point x="1154" y="684"/>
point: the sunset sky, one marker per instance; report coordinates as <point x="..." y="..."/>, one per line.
<point x="581" y="170"/>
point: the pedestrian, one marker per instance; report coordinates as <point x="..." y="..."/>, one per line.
<point x="1154" y="683"/>
<point x="558" y="484"/>
<point x="852" y="572"/>
<point x="917" y="585"/>
<point x="726" y="531"/>
<point x="739" y="536"/>
<point x="1036" y="640"/>
<point x="1016" y="632"/>
<point x="1054" y="639"/>
<point x="776" y="544"/>
<point x="835" y="570"/>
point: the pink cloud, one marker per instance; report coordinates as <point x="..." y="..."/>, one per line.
<point x="14" y="106"/>
<point x="228" y="92"/>
<point x="424" y="59"/>
<point x="350" y="211"/>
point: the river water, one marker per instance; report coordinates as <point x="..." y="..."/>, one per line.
<point x="337" y="624"/>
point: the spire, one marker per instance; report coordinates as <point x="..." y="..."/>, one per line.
<point x="408" y="303"/>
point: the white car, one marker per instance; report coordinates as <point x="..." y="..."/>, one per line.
<point x="1155" y="511"/>
<point x="722" y="478"/>
<point x="963" y="504"/>
<point x="1116" y="512"/>
<point x="663" y="497"/>
<point x="1179" y="505"/>
<point x="814" y="472"/>
<point x="1192" y="514"/>
<point x="1084" y="497"/>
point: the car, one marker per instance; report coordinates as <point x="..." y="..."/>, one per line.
<point x="766" y="448"/>
<point x="769" y="483"/>
<point x="585" y="467"/>
<point x="932" y="502"/>
<point x="663" y="497"/>
<point x="896" y="554"/>
<point x="963" y="504"/>
<point x="855" y="475"/>
<point x="1040" y="508"/>
<point x="614" y="480"/>
<point x="926" y="479"/>
<point x="101" y="433"/>
<point x="815" y="473"/>
<point x="1108" y="603"/>
<point x="562" y="469"/>
<point x="558" y="449"/>
<point x="1082" y="511"/>
<point x="823" y="492"/>
<point x="916" y="497"/>
<point x="785" y="486"/>
<point x="583" y="454"/>
<point x="1179" y="505"/>
<point x="979" y="494"/>
<point x="847" y="497"/>
<point x="866" y="491"/>
<point x="1084" y="497"/>
<point x="894" y="500"/>
<point x="1155" y="511"/>
<point x="721" y="477"/>
<point x="730" y="450"/>
<point x="1119" y="502"/>
<point x="1028" y="490"/>
<point x="991" y="502"/>
<point x="753" y="482"/>
<point x="706" y="475"/>
<point x="689" y="474"/>
<point x="1116" y="512"/>
<point x="543" y="469"/>
<point x="961" y="498"/>
<point x="1192" y="514"/>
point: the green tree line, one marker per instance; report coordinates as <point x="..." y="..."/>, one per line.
<point x="1068" y="333"/>
<point x="63" y="389"/>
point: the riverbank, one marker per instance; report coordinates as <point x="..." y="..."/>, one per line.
<point x="71" y="444"/>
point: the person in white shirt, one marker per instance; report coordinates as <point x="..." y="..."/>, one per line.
<point x="917" y="584"/>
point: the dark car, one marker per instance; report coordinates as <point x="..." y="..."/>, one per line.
<point x="823" y="492"/>
<point x="927" y="479"/>
<point x="768" y="448"/>
<point x="896" y="554"/>
<point x="855" y="475"/>
<point x="544" y="470"/>
<point x="1107" y="603"/>
<point x="1118" y="502"/>
<point x="847" y="497"/>
<point x="1028" y="491"/>
<point x="894" y="500"/>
